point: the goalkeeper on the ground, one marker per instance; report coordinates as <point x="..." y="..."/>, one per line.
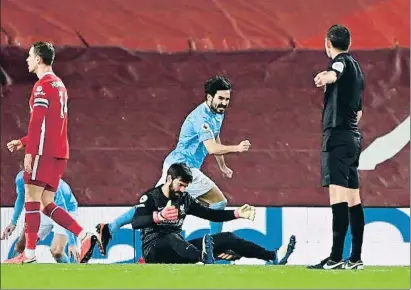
<point x="160" y="215"/>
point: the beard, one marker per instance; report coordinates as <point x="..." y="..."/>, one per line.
<point x="174" y="195"/>
<point x="216" y="111"/>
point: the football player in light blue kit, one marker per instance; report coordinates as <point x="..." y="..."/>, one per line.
<point x="200" y="136"/>
<point x="65" y="199"/>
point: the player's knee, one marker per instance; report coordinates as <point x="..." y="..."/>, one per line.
<point x="228" y="235"/>
<point x="57" y="251"/>
<point x="338" y="194"/>
<point x="353" y="197"/>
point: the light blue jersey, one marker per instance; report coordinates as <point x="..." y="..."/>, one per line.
<point x="64" y="199"/>
<point x="200" y="125"/>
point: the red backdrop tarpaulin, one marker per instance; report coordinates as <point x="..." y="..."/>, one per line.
<point x="126" y="109"/>
<point x="208" y="24"/>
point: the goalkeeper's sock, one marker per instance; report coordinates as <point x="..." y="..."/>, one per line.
<point x="122" y="220"/>
<point x="340" y="227"/>
<point x="216" y="228"/>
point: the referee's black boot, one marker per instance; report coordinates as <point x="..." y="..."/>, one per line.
<point x="349" y="265"/>
<point x="327" y="264"/>
<point x="207" y="255"/>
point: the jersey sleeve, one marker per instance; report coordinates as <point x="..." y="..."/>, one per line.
<point x="203" y="129"/>
<point x="36" y="131"/>
<point x="59" y="200"/>
<point x="338" y="66"/>
<point x="145" y="211"/>
<point x="214" y="215"/>
<point x="68" y="196"/>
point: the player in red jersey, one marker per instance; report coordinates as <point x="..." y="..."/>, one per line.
<point x="47" y="152"/>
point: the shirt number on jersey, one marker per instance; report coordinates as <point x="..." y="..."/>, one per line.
<point x="63" y="104"/>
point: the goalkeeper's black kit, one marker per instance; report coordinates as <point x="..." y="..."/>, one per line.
<point x="163" y="243"/>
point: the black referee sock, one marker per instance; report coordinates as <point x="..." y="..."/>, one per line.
<point x="357" y="223"/>
<point x="340" y="227"/>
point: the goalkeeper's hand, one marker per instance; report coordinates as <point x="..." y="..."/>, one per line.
<point x="168" y="213"/>
<point x="245" y="212"/>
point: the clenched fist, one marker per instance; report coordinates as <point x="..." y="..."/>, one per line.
<point x="243" y="146"/>
<point x="14" y="145"/>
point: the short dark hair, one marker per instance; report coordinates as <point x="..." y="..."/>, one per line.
<point x="216" y="83"/>
<point x="339" y="36"/>
<point x="45" y="50"/>
<point x="181" y="171"/>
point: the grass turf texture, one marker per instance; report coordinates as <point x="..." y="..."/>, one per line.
<point x="57" y="276"/>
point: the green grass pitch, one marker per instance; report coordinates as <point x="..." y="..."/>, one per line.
<point x="55" y="276"/>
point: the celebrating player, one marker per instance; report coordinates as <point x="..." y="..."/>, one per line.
<point x="160" y="215"/>
<point x="199" y="136"/>
<point x="65" y="199"/>
<point x="341" y="149"/>
<point x="47" y="152"/>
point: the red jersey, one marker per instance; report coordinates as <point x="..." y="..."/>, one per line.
<point x="47" y="133"/>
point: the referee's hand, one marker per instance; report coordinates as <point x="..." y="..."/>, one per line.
<point x="320" y="79"/>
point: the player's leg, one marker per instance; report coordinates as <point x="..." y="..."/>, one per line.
<point x="59" y="215"/>
<point x="60" y="239"/>
<point x="356" y="212"/>
<point x="205" y="190"/>
<point x="227" y="241"/>
<point x="65" y="220"/>
<point x="58" y="246"/>
<point x="20" y="245"/>
<point x="173" y="249"/>
<point x="163" y="177"/>
<point x="34" y="187"/>
<point x="216" y="200"/>
<point x="106" y="231"/>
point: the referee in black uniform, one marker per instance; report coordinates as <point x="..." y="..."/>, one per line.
<point x="343" y="84"/>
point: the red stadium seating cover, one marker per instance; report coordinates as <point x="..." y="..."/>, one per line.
<point x="126" y="109"/>
<point x="212" y="24"/>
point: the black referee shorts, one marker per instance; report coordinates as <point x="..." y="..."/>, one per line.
<point x="340" y="157"/>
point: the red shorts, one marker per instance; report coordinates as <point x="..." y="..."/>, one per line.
<point x="46" y="172"/>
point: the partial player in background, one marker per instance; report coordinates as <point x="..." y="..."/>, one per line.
<point x="47" y="152"/>
<point x="65" y="199"/>
<point x="343" y="84"/>
<point x="200" y="136"/>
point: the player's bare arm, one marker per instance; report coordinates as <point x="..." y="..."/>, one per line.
<point x="227" y="172"/>
<point x="215" y="148"/>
